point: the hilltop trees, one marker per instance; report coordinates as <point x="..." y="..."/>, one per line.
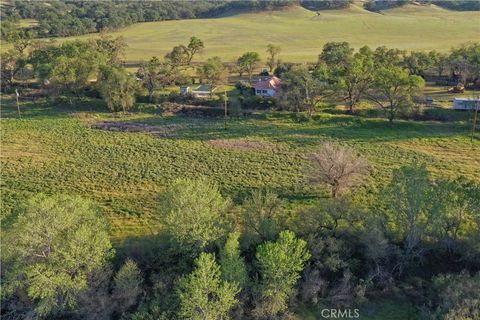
<point x="54" y="246"/>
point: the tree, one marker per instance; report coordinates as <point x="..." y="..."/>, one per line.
<point x="272" y="51"/>
<point x="248" y="62"/>
<point x="232" y="263"/>
<point x="280" y="264"/>
<point x="357" y="78"/>
<point x="418" y="62"/>
<point x="409" y="200"/>
<point x="12" y="63"/>
<point x="195" y="46"/>
<point x="128" y="286"/>
<point x="336" y="55"/>
<point x="262" y="218"/>
<point x="385" y="57"/>
<point x="149" y="73"/>
<point x="302" y="90"/>
<point x="55" y="244"/>
<point x="117" y="87"/>
<point x="338" y="167"/>
<point x="202" y="293"/>
<point x="194" y="213"/>
<point x="393" y="88"/>
<point x="465" y="63"/>
<point x="213" y="72"/>
<point x="112" y="48"/>
<point x="178" y="56"/>
<point x="453" y="210"/>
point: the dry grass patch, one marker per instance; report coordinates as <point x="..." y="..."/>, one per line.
<point x="244" y="144"/>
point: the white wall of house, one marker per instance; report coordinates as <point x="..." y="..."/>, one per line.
<point x="465" y="104"/>
<point x="265" y="93"/>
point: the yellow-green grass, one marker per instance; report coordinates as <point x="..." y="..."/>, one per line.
<point x="52" y="149"/>
<point x="301" y="33"/>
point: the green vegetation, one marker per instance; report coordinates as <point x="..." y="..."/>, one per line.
<point x="422" y="28"/>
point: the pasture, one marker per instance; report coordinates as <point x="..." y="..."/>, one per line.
<point x="53" y="149"/>
<point x="410" y="27"/>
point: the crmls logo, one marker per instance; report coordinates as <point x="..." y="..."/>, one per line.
<point x="340" y="314"/>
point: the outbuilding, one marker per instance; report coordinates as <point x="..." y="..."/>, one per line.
<point x="466" y="103"/>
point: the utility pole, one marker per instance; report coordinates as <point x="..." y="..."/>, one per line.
<point x="18" y="104"/>
<point x="474" y="120"/>
<point x="225" y="100"/>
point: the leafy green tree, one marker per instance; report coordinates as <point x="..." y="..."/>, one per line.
<point x="409" y="201"/>
<point x="302" y="91"/>
<point x="117" y="87"/>
<point x="202" y="293"/>
<point x="273" y="52"/>
<point x="213" y="71"/>
<point x="149" y="73"/>
<point x="248" y="62"/>
<point x="336" y="56"/>
<point x="128" y="285"/>
<point x="385" y="57"/>
<point x="194" y="213"/>
<point x="465" y="62"/>
<point x="12" y="63"/>
<point x="179" y="55"/>
<point x="357" y="78"/>
<point x="232" y="263"/>
<point x="393" y="88"/>
<point x="262" y="217"/>
<point x="280" y="264"/>
<point x="418" y="62"/>
<point x="194" y="47"/>
<point x="112" y="48"/>
<point x="54" y="245"/>
<point x="456" y="206"/>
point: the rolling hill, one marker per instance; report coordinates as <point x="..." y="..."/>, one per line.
<point x="301" y="33"/>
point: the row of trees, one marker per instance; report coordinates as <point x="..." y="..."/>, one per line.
<point x="387" y="77"/>
<point x="214" y="259"/>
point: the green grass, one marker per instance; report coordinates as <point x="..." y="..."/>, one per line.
<point x="302" y="34"/>
<point x="54" y="150"/>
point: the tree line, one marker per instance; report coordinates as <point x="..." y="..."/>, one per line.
<point x="213" y="258"/>
<point x="61" y="18"/>
<point x="389" y="78"/>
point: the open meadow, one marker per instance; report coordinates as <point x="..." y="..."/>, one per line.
<point x="302" y="33"/>
<point x="52" y="149"/>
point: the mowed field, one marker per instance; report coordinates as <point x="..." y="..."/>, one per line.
<point x="302" y="33"/>
<point x="53" y="149"/>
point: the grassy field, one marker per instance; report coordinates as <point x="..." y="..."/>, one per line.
<point x="54" y="150"/>
<point x="301" y="33"/>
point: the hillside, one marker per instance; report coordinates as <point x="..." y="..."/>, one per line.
<point x="302" y="33"/>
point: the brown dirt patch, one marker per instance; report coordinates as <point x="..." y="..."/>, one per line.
<point x="165" y="131"/>
<point x="243" y="144"/>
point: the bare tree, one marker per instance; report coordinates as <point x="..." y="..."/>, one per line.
<point x="338" y="167"/>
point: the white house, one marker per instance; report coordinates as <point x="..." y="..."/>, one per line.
<point x="268" y="87"/>
<point x="466" y="103"/>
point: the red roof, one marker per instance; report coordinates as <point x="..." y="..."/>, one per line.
<point x="272" y="83"/>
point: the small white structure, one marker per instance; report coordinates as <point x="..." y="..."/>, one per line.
<point x="201" y="91"/>
<point x="466" y="103"/>
<point x="268" y="87"/>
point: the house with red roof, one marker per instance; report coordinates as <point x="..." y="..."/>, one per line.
<point x="268" y="87"/>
